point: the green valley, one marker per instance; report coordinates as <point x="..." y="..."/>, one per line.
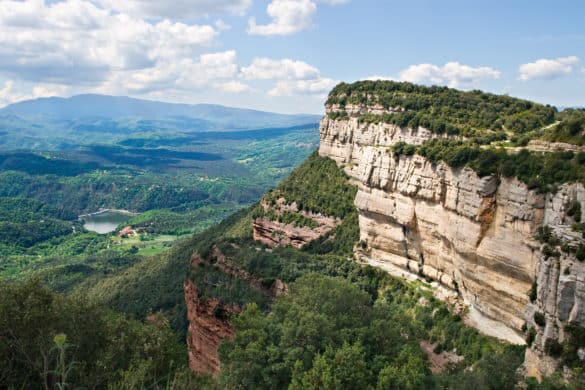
<point x="176" y="184"/>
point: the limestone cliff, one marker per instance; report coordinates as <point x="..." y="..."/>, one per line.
<point x="474" y="238"/>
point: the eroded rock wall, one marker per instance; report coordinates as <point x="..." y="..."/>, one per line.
<point x="208" y="327"/>
<point x="475" y="237"/>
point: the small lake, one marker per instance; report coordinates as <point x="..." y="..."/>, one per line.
<point x="105" y="222"/>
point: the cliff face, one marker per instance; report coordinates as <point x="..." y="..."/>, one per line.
<point x="208" y="326"/>
<point x="473" y="237"/>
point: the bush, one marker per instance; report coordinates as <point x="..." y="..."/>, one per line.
<point x="574" y="211"/>
<point x="553" y="348"/>
<point x="42" y="332"/>
<point x="580" y="253"/>
<point x="539" y="319"/>
<point x="530" y="336"/>
<point x="533" y="292"/>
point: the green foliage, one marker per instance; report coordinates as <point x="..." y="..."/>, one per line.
<point x="51" y="341"/>
<point x="496" y="371"/>
<point x="182" y="184"/>
<point x="338" y="115"/>
<point x="409" y="374"/>
<point x="533" y="291"/>
<point x="342" y="369"/>
<point x="317" y="185"/>
<point x="403" y="149"/>
<point x="297" y="219"/>
<point x="575" y="340"/>
<point x="574" y="211"/>
<point x="571" y="128"/>
<point x="580" y="253"/>
<point x="545" y="235"/>
<point x="329" y="333"/>
<point x="340" y="241"/>
<point x="213" y="283"/>
<point x="179" y="223"/>
<point x="553" y="348"/>
<point x="443" y="110"/>
<point x="154" y="284"/>
<point x="530" y="336"/>
<point x="539" y="319"/>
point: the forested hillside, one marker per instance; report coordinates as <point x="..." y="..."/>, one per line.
<point x="175" y="185"/>
<point x="330" y="331"/>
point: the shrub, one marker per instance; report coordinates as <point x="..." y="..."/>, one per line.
<point x="530" y="336"/>
<point x="574" y="211"/>
<point x="553" y="348"/>
<point x="539" y="319"/>
<point x="580" y="253"/>
<point x="533" y="292"/>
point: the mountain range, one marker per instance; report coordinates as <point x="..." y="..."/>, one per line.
<point x="54" y="123"/>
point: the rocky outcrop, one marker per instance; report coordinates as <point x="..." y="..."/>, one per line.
<point x="545" y="146"/>
<point x="472" y="237"/>
<point x="209" y="317"/>
<point x="272" y="232"/>
<point x="208" y="327"/>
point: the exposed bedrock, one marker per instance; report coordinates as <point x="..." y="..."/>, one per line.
<point x="475" y="237"/>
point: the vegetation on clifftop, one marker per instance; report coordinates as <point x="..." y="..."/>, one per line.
<point x="571" y="128"/>
<point x="443" y="110"/>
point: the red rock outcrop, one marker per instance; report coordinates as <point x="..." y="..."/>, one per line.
<point x="274" y="233"/>
<point x="208" y="327"/>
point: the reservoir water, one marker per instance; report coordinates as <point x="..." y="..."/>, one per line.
<point x="104" y="223"/>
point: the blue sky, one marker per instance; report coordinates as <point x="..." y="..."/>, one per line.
<point x="285" y="55"/>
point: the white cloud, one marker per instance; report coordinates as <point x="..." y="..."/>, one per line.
<point x="177" y="9"/>
<point x="221" y="25"/>
<point x="182" y="75"/>
<point x="9" y="94"/>
<point x="289" y="16"/>
<point x="75" y="41"/>
<point x="268" y="69"/>
<point x="292" y="77"/>
<point x="234" y="87"/>
<point x="319" y="86"/>
<point x="73" y="46"/>
<point x="452" y="74"/>
<point x="547" y="69"/>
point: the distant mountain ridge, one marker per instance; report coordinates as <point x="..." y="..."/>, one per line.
<point x="91" y="106"/>
<point x="63" y="123"/>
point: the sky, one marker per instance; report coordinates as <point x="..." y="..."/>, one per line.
<point x="286" y="55"/>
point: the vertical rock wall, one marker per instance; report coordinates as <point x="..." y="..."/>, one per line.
<point x="474" y="238"/>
